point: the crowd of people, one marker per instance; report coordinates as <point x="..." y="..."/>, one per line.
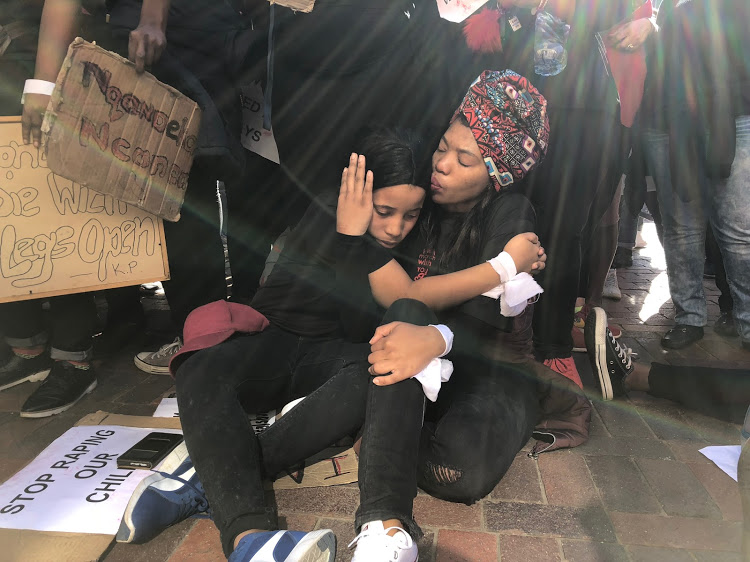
<point x="412" y="306"/>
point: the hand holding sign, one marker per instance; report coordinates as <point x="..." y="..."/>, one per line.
<point x="146" y="43"/>
<point x="33" y="114"/>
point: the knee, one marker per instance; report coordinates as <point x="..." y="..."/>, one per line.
<point x="411" y="311"/>
<point x="467" y="483"/>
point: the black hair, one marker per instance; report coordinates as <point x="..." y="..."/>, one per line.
<point x="467" y="239"/>
<point x="396" y="156"/>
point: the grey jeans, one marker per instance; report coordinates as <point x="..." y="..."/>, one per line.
<point x="725" y="204"/>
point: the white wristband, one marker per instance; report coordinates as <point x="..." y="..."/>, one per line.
<point x="504" y="266"/>
<point x="37" y="87"/>
<point x="447" y="334"/>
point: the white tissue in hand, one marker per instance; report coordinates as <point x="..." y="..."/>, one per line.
<point x="515" y="292"/>
<point x="433" y="375"/>
<point x="520" y="289"/>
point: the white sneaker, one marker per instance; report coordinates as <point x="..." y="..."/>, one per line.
<point x="157" y="362"/>
<point x="374" y="544"/>
<point x="611" y="287"/>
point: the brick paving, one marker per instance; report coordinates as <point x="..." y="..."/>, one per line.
<point x="638" y="490"/>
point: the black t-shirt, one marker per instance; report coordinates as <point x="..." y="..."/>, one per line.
<point x="306" y="293"/>
<point x="478" y="321"/>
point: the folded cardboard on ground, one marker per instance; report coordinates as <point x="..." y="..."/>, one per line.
<point x="120" y="133"/>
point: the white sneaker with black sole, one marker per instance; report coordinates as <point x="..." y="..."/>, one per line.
<point x="610" y="361"/>
<point x="157" y="362"/>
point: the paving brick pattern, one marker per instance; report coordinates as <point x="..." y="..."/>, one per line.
<point x="637" y="491"/>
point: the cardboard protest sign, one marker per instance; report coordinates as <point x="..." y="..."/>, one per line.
<point x="458" y="10"/>
<point x="330" y="467"/>
<point x="120" y="133"/>
<point x="58" y="237"/>
<point x="298" y="5"/>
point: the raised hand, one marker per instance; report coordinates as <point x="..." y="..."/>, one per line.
<point x="354" y="210"/>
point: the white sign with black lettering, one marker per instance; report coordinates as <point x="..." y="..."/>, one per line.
<point x="458" y="10"/>
<point x="254" y="137"/>
<point x="74" y="485"/>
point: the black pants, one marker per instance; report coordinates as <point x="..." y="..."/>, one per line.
<point x="575" y="184"/>
<point x="726" y="303"/>
<point x="256" y="373"/>
<point x="720" y="393"/>
<point x="456" y="449"/>
<point x="72" y="320"/>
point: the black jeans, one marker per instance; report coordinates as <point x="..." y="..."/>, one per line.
<point x="216" y="388"/>
<point x="457" y="448"/>
<point x="72" y="320"/>
<point x="574" y="184"/>
<point x="720" y="393"/>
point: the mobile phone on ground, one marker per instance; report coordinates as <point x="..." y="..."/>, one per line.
<point x="150" y="450"/>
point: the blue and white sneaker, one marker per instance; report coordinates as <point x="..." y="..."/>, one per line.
<point x="286" y="546"/>
<point x="163" y="499"/>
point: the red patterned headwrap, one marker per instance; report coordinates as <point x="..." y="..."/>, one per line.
<point x="508" y="117"/>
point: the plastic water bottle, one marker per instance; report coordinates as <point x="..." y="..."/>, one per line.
<point x="550" y="38"/>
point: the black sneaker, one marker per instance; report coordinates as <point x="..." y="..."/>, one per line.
<point x="16" y="370"/>
<point x="65" y="385"/>
<point x="681" y="336"/>
<point x="725" y="325"/>
<point x="610" y="361"/>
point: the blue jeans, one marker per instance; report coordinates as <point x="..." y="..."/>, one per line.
<point x="725" y="204"/>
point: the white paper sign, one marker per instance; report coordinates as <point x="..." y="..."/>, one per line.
<point x="726" y="457"/>
<point x="167" y="408"/>
<point x="259" y="422"/>
<point x="458" y="10"/>
<point x="74" y="485"/>
<point x="254" y="137"/>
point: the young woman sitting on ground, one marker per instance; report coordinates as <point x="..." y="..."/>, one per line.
<point x="458" y="447"/>
<point x="308" y="349"/>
